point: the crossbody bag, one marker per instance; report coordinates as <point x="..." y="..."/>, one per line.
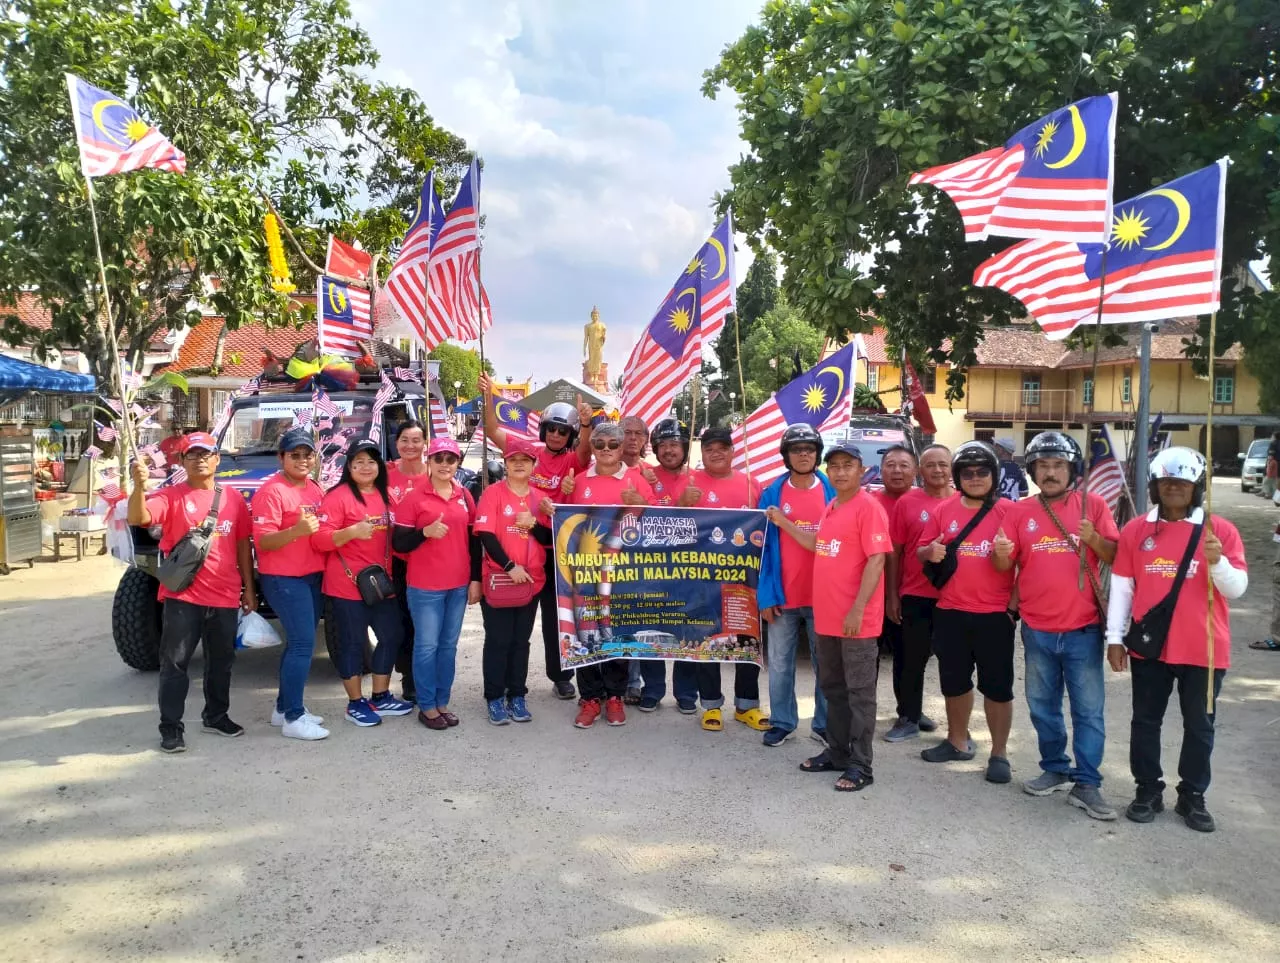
<point x="1146" y="636"/>
<point x="182" y="563"/>
<point x="502" y="592"/>
<point x="1095" y="583"/>
<point x="939" y="573"/>
<point x="373" y="582"/>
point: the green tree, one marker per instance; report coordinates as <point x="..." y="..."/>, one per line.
<point x="262" y="97"/>
<point x="768" y="351"/>
<point x="459" y="364"/>
<point x="840" y="102"/>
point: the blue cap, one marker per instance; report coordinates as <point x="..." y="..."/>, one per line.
<point x="844" y="448"/>
<point x="296" y="438"/>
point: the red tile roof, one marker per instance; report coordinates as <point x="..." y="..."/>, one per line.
<point x="242" y="352"/>
<point x="878" y="348"/>
<point x="32" y="312"/>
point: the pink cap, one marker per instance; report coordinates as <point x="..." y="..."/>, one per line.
<point x="443" y="445"/>
<point x="521" y="446"/>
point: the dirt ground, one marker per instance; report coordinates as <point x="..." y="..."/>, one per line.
<point x="656" y="841"/>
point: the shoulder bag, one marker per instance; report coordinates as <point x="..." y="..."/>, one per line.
<point x="1095" y="583"/>
<point x="939" y="573"/>
<point x="373" y="581"/>
<point x="500" y="592"/>
<point x="1146" y="636"/>
<point x="183" y="562"/>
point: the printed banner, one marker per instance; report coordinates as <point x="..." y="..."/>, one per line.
<point x="638" y="582"/>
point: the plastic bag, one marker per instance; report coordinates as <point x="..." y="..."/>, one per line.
<point x="255" y="632"/>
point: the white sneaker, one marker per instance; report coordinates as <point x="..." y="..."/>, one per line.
<point x="277" y="718"/>
<point x="304" y="728"/>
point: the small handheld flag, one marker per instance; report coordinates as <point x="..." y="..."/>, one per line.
<point x="112" y="137"/>
<point x="516" y="419"/>
<point x="1106" y="478"/>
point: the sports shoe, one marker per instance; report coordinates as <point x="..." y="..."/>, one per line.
<point x="776" y="736"/>
<point x="565" y="690"/>
<point x="517" y="710"/>
<point x="498" y="715"/>
<point x="648" y="704"/>
<point x="614" y="712"/>
<point x="304" y="727"/>
<point x="172" y="742"/>
<point x="926" y="724"/>
<point x="1047" y="783"/>
<point x="632" y="696"/>
<point x="1191" y="808"/>
<point x="278" y="719"/>
<point x="946" y="752"/>
<point x="388" y="705"/>
<point x="903" y="730"/>
<point x="687" y="706"/>
<point x="818" y="736"/>
<point x="588" y="713"/>
<point x="223" y="727"/>
<point x="1091" y="800"/>
<point x="999" y="770"/>
<point x="361" y="713"/>
<point x="1145" y="805"/>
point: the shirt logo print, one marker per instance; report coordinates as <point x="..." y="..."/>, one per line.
<point x="508" y="511"/>
<point x="786" y="509"/>
<point x="1149" y="544"/>
<point x="952" y="527"/>
<point x="712" y="497"/>
<point x="1031" y="525"/>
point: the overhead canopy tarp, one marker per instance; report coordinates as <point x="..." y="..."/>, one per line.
<point x="20" y="376"/>
<point x="471" y="407"/>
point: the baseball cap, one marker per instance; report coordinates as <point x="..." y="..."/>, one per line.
<point x="199" y="439"/>
<point x="520" y="446"/>
<point x="363" y="444"/>
<point x="711" y="436"/>
<point x="845" y="448"/>
<point x="296" y="438"/>
<point x="446" y="445"/>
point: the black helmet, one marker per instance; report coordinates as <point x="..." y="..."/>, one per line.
<point x="723" y="436"/>
<point x="977" y="454"/>
<point x="564" y="414"/>
<point x="800" y="434"/>
<point x="670" y="430"/>
<point x="1055" y="444"/>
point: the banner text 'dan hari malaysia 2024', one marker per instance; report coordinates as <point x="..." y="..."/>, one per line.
<point x="637" y="582"/>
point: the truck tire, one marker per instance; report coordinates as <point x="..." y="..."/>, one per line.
<point x="331" y="642"/>
<point x="135" y="620"/>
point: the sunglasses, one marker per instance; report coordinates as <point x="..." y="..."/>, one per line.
<point x="443" y="458"/>
<point x="557" y="430"/>
<point x="602" y="445"/>
<point x="973" y="474"/>
<point x="301" y="455"/>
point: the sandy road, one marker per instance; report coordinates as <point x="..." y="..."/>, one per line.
<point x="656" y="841"/>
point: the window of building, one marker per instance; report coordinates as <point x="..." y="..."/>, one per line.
<point x="929" y="379"/>
<point x="873" y="377"/>
<point x="1031" y="389"/>
<point x="1126" y="388"/>
<point x="1087" y="391"/>
<point x="1224" y="388"/>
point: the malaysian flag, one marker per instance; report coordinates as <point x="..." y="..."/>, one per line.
<point x="516" y="419"/>
<point x="1052" y="179"/>
<point x="453" y="269"/>
<point x="105" y="432"/>
<point x="111" y="493"/>
<point x="668" y="353"/>
<point x="322" y="404"/>
<point x="407" y="282"/>
<point x="93" y="451"/>
<point x="250" y="387"/>
<point x="113" y="138"/>
<point x="115" y="405"/>
<point x="913" y="398"/>
<point x="344" y="317"/>
<point x="821" y="397"/>
<point x="302" y="417"/>
<point x="1105" y="478"/>
<point x="1164" y="261"/>
<point x="439" y="420"/>
<point x="407" y="374"/>
<point x="714" y="261"/>
<point x="386" y="392"/>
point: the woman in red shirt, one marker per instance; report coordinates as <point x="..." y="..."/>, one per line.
<point x="513" y="537"/>
<point x="356" y="531"/>
<point x="403" y="476"/>
<point x="443" y="577"/>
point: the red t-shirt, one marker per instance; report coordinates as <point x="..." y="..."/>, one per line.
<point x="849" y="534"/>
<point x="976" y="586"/>
<point x="438" y="563"/>
<point x="1048" y="566"/>
<point x="277" y="506"/>
<point x="735" y="490"/>
<point x="550" y="470"/>
<point x="497" y="512"/>
<point x="593" y="489"/>
<point x="171" y="448"/>
<point x="804" y="508"/>
<point x="342" y="509"/>
<point x="911" y="515"/>
<point x="887" y="500"/>
<point x="669" y="486"/>
<point x="180" y="508"/>
<point x="1149" y="553"/>
<point x="400" y="485"/>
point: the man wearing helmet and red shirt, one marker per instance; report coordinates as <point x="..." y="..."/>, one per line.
<point x="565" y="434"/>
<point x="1148" y="558"/>
<point x="1061" y="622"/>
<point x="974" y="619"/>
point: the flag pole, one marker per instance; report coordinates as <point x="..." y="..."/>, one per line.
<point x="1208" y="505"/>
<point x="1093" y="404"/>
<point x="742" y="387"/>
<point x="484" y="400"/>
<point x="693" y="416"/>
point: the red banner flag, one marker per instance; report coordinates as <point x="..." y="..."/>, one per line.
<point x="916" y="402"/>
<point x="346" y="261"/>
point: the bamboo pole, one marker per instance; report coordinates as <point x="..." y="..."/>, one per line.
<point x="1208" y="506"/>
<point x="742" y="388"/>
<point x="1093" y="404"/>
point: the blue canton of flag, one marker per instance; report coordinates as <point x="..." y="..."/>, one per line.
<point x="343" y="315"/>
<point x="112" y="137"/>
<point x="1105" y="478"/>
<point x="516" y="418"/>
<point x="668" y="352"/>
<point x="714" y="266"/>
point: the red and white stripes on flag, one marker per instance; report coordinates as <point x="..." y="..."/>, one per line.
<point x="407" y="283"/>
<point x="455" y="302"/>
<point x="439" y="420"/>
<point x="386" y="391"/>
<point x="763" y="435"/>
<point x="344" y="317"/>
<point x="112" y="137"/>
<point x="1106" y="476"/>
<point x="106" y="432"/>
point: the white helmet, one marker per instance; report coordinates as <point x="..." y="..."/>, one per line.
<point x="1181" y="464"/>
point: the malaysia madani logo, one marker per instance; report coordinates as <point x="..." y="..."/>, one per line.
<point x="629" y="530"/>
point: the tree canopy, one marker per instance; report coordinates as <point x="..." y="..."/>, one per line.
<point x="841" y="101"/>
<point x="459" y="364"/>
<point x="263" y="97"/>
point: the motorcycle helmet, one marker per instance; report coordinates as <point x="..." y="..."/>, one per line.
<point x="1055" y="444"/>
<point x="977" y="454"/>
<point x="564" y="414"/>
<point x="801" y="434"/>
<point x="1183" y="464"/>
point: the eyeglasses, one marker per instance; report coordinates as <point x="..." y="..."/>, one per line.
<point x="602" y="445"/>
<point x="975" y="473"/>
<point x="199" y="454"/>
<point x="557" y="430"/>
<point x="302" y="455"/>
<point x="443" y="458"/>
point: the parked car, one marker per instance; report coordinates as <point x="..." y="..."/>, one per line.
<point x="1253" y="464"/>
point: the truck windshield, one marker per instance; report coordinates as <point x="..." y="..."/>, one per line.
<point x="872" y="442"/>
<point x="256" y="428"/>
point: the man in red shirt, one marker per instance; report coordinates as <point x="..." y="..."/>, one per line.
<point x="718" y="485"/>
<point x="208" y="609"/>
<point x="565" y="436"/>
<point x="171" y="446"/>
<point x="910" y="597"/>
<point x="898" y="470"/>
<point x="974" y="619"/>
<point x="1061" y="622"/>
<point x="850" y="547"/>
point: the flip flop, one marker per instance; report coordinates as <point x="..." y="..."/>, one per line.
<point x="819" y="763"/>
<point x="857" y="780"/>
<point x="753" y="719"/>
<point x="712" y="720"/>
<point x="1266" y="645"/>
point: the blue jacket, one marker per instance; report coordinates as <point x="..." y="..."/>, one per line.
<point x="769" y="587"/>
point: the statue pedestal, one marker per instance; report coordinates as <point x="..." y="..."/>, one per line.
<point x="600" y="382"/>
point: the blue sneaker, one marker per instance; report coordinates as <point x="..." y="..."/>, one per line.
<point x="687" y="706"/>
<point x="360" y="712"/>
<point x="389" y="705"/>
<point x="776" y="736"/>
<point x="517" y="710"/>
<point x="498" y="713"/>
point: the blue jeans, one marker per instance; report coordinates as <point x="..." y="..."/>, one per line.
<point x="784" y="642"/>
<point x="437" y="623"/>
<point x="354" y="620"/>
<point x="1070" y="660"/>
<point x="653" y="673"/>
<point x="694" y="681"/>
<point x="296" y="601"/>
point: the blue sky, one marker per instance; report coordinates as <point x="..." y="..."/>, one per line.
<point x="601" y="154"/>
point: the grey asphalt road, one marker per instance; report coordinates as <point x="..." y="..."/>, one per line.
<point x="656" y="841"/>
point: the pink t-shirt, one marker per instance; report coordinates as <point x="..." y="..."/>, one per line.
<point x="669" y="486"/>
<point x="912" y="514"/>
<point x="735" y="490"/>
<point x="438" y="563"/>
<point x="804" y="508"/>
<point x="496" y="513"/>
<point x="180" y="508"/>
<point x="1049" y="596"/>
<point x="342" y="509"/>
<point x="399" y="484"/>
<point x="849" y="534"/>
<point x="277" y="506"/>
<point x="593" y="489"/>
<point x="551" y="468"/>
<point x="976" y="586"/>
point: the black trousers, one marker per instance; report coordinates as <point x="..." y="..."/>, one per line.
<point x="404" y="658"/>
<point x="184" y="627"/>
<point x="847" y="672"/>
<point x="911" y="650"/>
<point x="604" y="679"/>
<point x="1153" y="683"/>
<point x="506" y="649"/>
<point x="551" y="626"/>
